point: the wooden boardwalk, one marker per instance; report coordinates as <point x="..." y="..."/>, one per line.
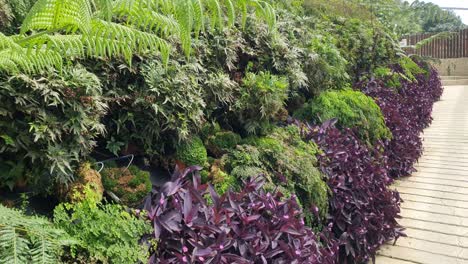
<point x="435" y="211"/>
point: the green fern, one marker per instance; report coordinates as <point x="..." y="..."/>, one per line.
<point x="57" y="29"/>
<point x="29" y="239"/>
<point x="13" y="60"/>
<point x="53" y="15"/>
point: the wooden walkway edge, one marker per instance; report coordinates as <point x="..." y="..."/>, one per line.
<point x="435" y="208"/>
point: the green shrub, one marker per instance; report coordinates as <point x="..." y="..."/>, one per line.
<point x="328" y="70"/>
<point x="262" y="101"/>
<point x="130" y="185"/>
<point x="105" y="232"/>
<point x="220" y="142"/>
<point x="391" y="78"/>
<point x="287" y="163"/>
<point x="30" y="239"/>
<point x="410" y="68"/>
<point x="192" y="152"/>
<point x="367" y="45"/>
<point x="50" y="123"/>
<point x="353" y="109"/>
<point x="154" y="107"/>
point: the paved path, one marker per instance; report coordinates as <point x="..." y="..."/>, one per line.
<point x="435" y="211"/>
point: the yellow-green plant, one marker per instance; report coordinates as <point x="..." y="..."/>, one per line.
<point x="353" y="109"/>
<point x="57" y="29"/>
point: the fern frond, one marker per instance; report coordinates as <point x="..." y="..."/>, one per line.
<point x="8" y="43"/>
<point x="146" y="19"/>
<point x="14" y="61"/>
<point x="198" y="17"/>
<point x="242" y="5"/>
<point x="52" y="15"/>
<point x="216" y="13"/>
<point x="43" y="251"/>
<point x="103" y="8"/>
<point x="266" y="11"/>
<point x="184" y="15"/>
<point x="13" y="247"/>
<point x="29" y="239"/>
<point x="111" y="39"/>
<point x="66" y="45"/>
<point x="441" y="35"/>
<point x="231" y="12"/>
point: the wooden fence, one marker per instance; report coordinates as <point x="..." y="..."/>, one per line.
<point x="455" y="46"/>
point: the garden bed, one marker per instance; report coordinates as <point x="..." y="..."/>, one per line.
<point x="269" y="136"/>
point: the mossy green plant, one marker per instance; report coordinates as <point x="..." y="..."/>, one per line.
<point x="192" y="152"/>
<point x="86" y="177"/>
<point x="219" y="143"/>
<point x="288" y="164"/>
<point x="353" y="109"/>
<point x="130" y="185"/>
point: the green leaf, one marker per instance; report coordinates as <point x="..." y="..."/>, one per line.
<point x="8" y="140"/>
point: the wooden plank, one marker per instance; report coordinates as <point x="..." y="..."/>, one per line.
<point x="387" y="260"/>
<point x="441" y="169"/>
<point x="454" y="215"/>
<point x="440" y="164"/>
<point x="419" y="256"/>
<point x="438" y="181"/>
<point x="444" y="158"/>
<point x="452" y="177"/>
<point x="417" y="198"/>
<point x="443" y="239"/>
<point x="435" y="227"/>
<point x="440" y="188"/>
<point x="433" y="247"/>
<point x="434" y="194"/>
<point x="429" y="217"/>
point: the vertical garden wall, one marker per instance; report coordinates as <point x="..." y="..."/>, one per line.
<point x="203" y="131"/>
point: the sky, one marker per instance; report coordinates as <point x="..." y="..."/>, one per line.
<point x="453" y="3"/>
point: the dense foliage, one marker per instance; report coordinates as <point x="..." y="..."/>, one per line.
<point x="363" y="210"/>
<point x="250" y="226"/>
<point x="48" y="124"/>
<point x="287" y="163"/>
<point x="407" y="111"/>
<point x="116" y="29"/>
<point x="87" y="80"/>
<point x="30" y="239"/>
<point x="263" y="98"/>
<point x="104" y="232"/>
<point x="399" y="16"/>
<point x="353" y="109"/>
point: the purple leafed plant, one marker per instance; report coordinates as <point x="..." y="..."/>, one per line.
<point x="193" y="224"/>
<point x="407" y="111"/>
<point x="363" y="211"/>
